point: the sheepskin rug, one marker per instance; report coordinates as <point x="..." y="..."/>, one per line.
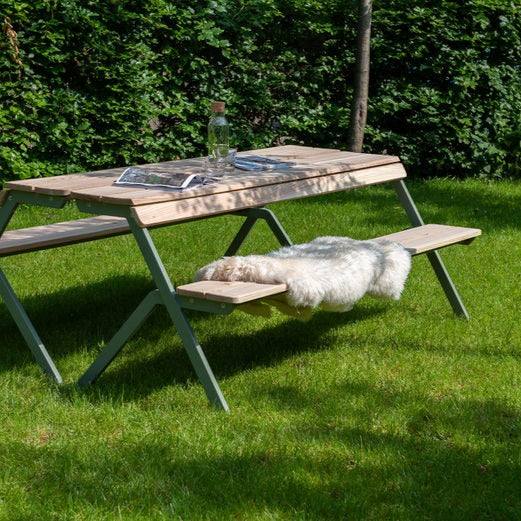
<point x="329" y="272"/>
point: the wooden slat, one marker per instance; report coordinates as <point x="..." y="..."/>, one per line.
<point x="346" y="160"/>
<point x="62" y="185"/>
<point x="61" y="234"/>
<point x="237" y="180"/>
<point x="134" y="195"/>
<point x="288" y="152"/>
<point x="432" y="237"/>
<point x="230" y="292"/>
<point x="326" y="158"/>
<point x="172" y="211"/>
<point x="3" y="197"/>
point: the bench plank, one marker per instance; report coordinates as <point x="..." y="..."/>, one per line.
<point x="287" y="152"/>
<point x="428" y="237"/>
<point x="237" y="292"/>
<point x="60" y="234"/>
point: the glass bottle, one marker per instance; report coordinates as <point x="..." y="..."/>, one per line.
<point x="218" y="138"/>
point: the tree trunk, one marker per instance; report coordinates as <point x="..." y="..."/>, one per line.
<point x="357" y="119"/>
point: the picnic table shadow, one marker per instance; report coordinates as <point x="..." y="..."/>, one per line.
<point x="72" y="316"/>
<point x="228" y="353"/>
<point x="84" y="316"/>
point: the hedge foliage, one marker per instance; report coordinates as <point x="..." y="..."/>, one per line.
<point x="87" y="84"/>
<point x="447" y="86"/>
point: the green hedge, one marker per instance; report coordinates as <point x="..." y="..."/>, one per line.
<point x="88" y="84"/>
<point x="447" y="86"/>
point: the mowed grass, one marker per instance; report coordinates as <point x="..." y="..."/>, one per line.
<point x="393" y="411"/>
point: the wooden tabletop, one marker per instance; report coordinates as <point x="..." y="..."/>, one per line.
<point x="316" y="171"/>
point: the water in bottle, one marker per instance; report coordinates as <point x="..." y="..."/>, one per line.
<point x="218" y="139"/>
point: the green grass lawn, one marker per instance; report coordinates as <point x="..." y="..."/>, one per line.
<point x="393" y="411"/>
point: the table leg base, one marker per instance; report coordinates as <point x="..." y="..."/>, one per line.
<point x="27" y="330"/>
<point x="192" y="347"/>
<point x="252" y="215"/>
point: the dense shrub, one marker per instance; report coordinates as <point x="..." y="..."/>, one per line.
<point x="446" y="86"/>
<point x="88" y="84"/>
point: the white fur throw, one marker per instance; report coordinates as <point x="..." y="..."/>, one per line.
<point x="330" y="272"/>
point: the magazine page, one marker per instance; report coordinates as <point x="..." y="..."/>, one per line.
<point x="156" y="177"/>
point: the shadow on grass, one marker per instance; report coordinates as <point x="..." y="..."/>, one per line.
<point x="71" y="317"/>
<point x="81" y="318"/>
<point x="228" y="354"/>
<point x="324" y="469"/>
<point x="452" y="458"/>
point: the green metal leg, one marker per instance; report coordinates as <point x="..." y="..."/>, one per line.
<point x="6" y="212"/>
<point x="275" y="225"/>
<point x="27" y="330"/>
<point x="17" y="311"/>
<point x="124" y="334"/>
<point x="167" y="293"/>
<point x="253" y="214"/>
<point x="447" y="284"/>
<point x="243" y="232"/>
<point x="433" y="256"/>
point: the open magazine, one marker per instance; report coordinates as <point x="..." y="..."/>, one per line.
<point x="155" y="177"/>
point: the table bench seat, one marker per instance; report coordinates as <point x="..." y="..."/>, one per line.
<point x="46" y="236"/>
<point x="417" y="240"/>
<point x="422" y="239"/>
<point x="235" y="292"/>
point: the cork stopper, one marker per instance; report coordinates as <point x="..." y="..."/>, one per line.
<point x="218" y="106"/>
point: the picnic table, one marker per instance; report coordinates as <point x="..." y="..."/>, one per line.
<point x="137" y="209"/>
